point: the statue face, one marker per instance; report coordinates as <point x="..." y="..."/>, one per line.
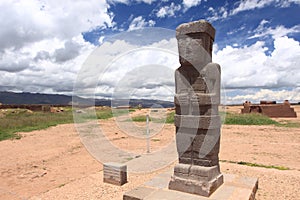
<point x="195" y="49"/>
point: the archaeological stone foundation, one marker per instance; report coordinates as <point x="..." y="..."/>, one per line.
<point x="270" y="108"/>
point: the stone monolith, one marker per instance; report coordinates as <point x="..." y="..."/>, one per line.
<point x="197" y="117"/>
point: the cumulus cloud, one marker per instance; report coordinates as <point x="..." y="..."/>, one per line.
<point x="42" y="46"/>
<point x="42" y="49"/>
<point x="38" y="71"/>
<point x="30" y="21"/>
<point x="139" y="22"/>
<point x="70" y="51"/>
<point x="120" y="69"/>
<point x="14" y="66"/>
<point x="250" y="66"/>
<point x="250" y="5"/>
<point x="168" y="11"/>
<point x="217" y="13"/>
<point x="256" y="95"/>
<point x="287" y="3"/>
<point x="190" y="3"/>
<point x="245" y="5"/>
<point x="262" y="30"/>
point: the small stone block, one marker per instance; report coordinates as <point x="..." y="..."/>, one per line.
<point x="115" y="173"/>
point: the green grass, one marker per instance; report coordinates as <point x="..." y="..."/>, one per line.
<point x="288" y="124"/>
<point x="20" y="120"/>
<point x="155" y="139"/>
<point x="170" y="118"/>
<point x="256" y="165"/>
<point x="142" y="118"/>
<point x="248" y="119"/>
<point x="102" y="113"/>
<point x="230" y="119"/>
<point x="23" y="121"/>
<point x="109" y="113"/>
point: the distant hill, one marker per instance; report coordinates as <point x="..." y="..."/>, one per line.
<point x="57" y="99"/>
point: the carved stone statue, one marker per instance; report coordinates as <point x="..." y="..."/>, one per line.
<point x="197" y="118"/>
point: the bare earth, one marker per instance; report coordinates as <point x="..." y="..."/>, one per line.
<point x="53" y="163"/>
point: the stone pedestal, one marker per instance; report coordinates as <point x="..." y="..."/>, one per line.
<point x="196" y="179"/>
<point x="115" y="173"/>
<point x="234" y="187"/>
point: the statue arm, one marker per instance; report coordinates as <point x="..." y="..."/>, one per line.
<point x="212" y="72"/>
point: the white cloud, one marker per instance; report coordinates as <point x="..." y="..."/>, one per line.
<point x="146" y="1"/>
<point x="287" y="3"/>
<point x="250" y="5"/>
<point x="118" y="1"/>
<point x="250" y="67"/>
<point x="276" y="32"/>
<point x="120" y="68"/>
<point x="168" y="11"/>
<point x="255" y="96"/>
<point x="42" y="46"/>
<point x="139" y="22"/>
<point x="233" y="31"/>
<point x="40" y="67"/>
<point x="128" y="1"/>
<point x="190" y="3"/>
<point x="32" y="20"/>
<point x="217" y="14"/>
<point x="245" y="5"/>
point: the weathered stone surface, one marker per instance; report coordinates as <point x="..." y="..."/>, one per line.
<point x="115" y="173"/>
<point x="234" y="187"/>
<point x="195" y="41"/>
<point x="139" y="193"/>
<point x="197" y="117"/>
<point x="198" y="122"/>
<point x="197" y="173"/>
<point x="204" y="187"/>
<point x="197" y="27"/>
<point x="270" y="108"/>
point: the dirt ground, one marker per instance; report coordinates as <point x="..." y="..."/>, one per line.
<point x="53" y="163"/>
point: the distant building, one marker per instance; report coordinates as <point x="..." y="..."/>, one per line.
<point x="270" y="108"/>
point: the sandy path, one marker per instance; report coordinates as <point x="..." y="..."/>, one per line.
<point x="53" y="164"/>
<point x="41" y="161"/>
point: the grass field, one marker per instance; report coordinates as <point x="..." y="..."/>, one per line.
<point x="169" y="119"/>
<point x="248" y="119"/>
<point x="13" y="121"/>
<point x="20" y="120"/>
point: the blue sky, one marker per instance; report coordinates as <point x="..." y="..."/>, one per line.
<point x="45" y="44"/>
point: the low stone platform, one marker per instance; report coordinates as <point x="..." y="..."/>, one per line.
<point x="234" y="187"/>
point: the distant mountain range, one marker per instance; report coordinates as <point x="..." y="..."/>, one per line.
<point x="57" y="99"/>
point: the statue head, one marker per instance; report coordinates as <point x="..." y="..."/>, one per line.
<point x="195" y="41"/>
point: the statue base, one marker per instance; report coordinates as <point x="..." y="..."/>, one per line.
<point x="234" y="187"/>
<point x="195" y="179"/>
